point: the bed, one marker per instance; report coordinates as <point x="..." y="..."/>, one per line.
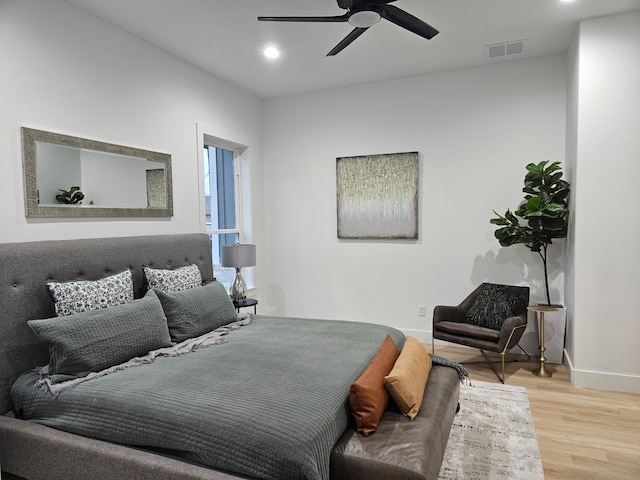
<point x="322" y="447"/>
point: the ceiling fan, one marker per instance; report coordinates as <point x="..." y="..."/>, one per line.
<point x="362" y="14"/>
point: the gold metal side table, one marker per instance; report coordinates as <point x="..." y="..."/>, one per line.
<point x="541" y="310"/>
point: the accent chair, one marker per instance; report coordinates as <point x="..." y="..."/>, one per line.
<point x="493" y="318"/>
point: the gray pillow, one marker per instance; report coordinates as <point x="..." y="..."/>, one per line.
<point x="82" y="295"/>
<point x="196" y="311"/>
<point x="173" y="280"/>
<point x="97" y="339"/>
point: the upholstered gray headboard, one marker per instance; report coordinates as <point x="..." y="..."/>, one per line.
<point x="26" y="267"/>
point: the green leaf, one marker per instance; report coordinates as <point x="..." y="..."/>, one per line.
<point x="533" y="168"/>
<point x="551" y="168"/>
<point x="555" y="207"/>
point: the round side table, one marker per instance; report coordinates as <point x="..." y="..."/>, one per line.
<point x="541" y="310"/>
<point x="248" y="302"/>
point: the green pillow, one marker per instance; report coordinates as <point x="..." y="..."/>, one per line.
<point x="97" y="339"/>
<point x="196" y="311"/>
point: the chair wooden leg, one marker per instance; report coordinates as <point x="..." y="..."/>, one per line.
<point x="502" y="354"/>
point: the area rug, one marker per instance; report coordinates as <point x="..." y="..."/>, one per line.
<point x="492" y="436"/>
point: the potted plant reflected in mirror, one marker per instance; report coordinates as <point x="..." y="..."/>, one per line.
<point x="542" y="217"/>
<point x="73" y="196"/>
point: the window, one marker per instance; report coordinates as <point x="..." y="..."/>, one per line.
<point x="221" y="208"/>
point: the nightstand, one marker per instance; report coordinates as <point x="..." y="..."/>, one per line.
<point x="248" y="302"/>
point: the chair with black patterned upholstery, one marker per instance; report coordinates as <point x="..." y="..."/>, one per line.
<point x="492" y="318"/>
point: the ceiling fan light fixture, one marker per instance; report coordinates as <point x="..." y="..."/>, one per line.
<point x="364" y="18"/>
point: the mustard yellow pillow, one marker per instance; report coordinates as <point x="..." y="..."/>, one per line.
<point x="408" y="378"/>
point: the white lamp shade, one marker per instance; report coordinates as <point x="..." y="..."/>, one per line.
<point x="238" y="255"/>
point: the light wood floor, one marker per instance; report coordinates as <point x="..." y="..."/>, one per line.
<point x="582" y="433"/>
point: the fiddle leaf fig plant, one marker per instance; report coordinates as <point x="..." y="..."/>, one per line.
<point x="541" y="217"/>
<point x="73" y="196"/>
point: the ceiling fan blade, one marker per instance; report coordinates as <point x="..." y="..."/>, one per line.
<point x="337" y="18"/>
<point x="356" y="4"/>
<point x="407" y="21"/>
<point x="355" y="33"/>
<point x="373" y="3"/>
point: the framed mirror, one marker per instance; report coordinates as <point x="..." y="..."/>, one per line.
<point x="67" y="176"/>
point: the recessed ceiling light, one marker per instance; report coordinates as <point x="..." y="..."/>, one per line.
<point x="271" y="52"/>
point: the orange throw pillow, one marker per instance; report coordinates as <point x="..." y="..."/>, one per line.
<point x="408" y="378"/>
<point x="368" y="397"/>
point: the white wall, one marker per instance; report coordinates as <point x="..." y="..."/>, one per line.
<point x="66" y="71"/>
<point x="571" y="161"/>
<point x="475" y="129"/>
<point x="604" y="260"/>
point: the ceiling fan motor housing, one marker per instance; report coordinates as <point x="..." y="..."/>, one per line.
<point x="346" y="4"/>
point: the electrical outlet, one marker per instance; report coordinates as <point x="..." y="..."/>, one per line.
<point x="422" y="310"/>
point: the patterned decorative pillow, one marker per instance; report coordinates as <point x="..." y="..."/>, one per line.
<point x="173" y="280"/>
<point x="97" y="339"/>
<point x="82" y="295"/>
<point x="494" y="304"/>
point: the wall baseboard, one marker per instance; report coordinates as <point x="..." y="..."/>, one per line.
<point x="616" y="382"/>
<point x="424" y="336"/>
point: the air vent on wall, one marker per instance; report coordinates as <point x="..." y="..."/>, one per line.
<point x="506" y="49"/>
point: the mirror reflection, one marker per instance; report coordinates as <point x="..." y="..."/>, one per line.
<point x="72" y="176"/>
<point x="105" y="180"/>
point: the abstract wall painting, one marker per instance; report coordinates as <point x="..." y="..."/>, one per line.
<point x="377" y="196"/>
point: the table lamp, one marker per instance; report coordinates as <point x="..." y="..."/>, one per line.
<point x="238" y="256"/>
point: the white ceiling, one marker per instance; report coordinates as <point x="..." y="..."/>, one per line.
<point x="223" y="37"/>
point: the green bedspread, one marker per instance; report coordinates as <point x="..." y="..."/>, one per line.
<point x="269" y="403"/>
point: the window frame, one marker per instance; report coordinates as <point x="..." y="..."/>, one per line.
<point x="237" y="185"/>
<point x="207" y="135"/>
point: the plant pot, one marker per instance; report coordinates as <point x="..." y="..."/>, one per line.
<point x="554" y="334"/>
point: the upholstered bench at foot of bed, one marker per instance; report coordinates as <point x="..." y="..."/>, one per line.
<point x="403" y="449"/>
